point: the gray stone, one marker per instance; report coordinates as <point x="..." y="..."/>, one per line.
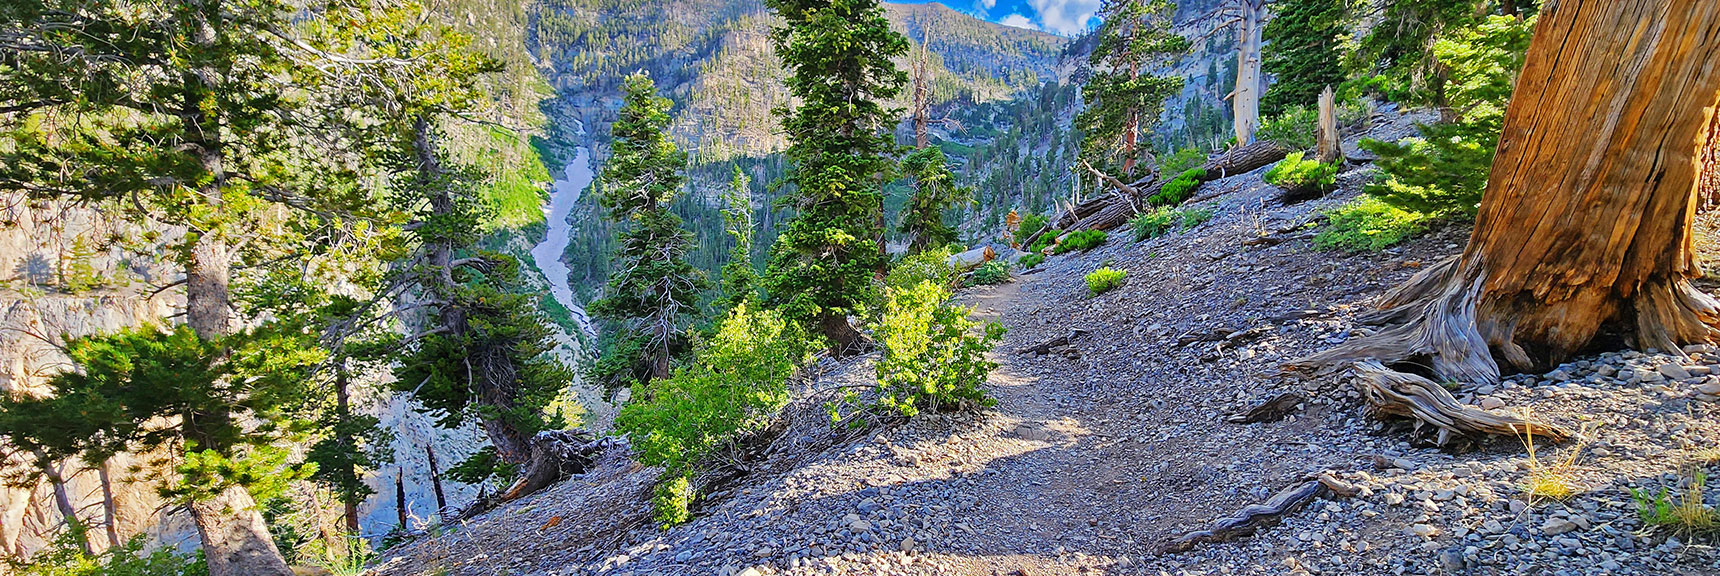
<point x="1673" y="371"/>
<point x="1451" y="561"/>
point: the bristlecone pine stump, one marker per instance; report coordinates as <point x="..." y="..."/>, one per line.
<point x="1586" y="221"/>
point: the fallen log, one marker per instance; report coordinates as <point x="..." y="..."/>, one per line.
<point x="1271" y="410"/>
<point x="556" y="454"/>
<point x="1392" y="393"/>
<point x="972" y="258"/>
<point x="1256" y="516"/>
<point x="1243" y="160"/>
<point x="1046" y="346"/>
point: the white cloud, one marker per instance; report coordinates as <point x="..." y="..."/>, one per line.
<point x="986" y="5"/>
<point x="1018" y="21"/>
<point x="1065" y="17"/>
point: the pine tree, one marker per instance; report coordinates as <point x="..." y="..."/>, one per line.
<point x="1301" y="39"/>
<point x="935" y="192"/>
<point x="652" y="292"/>
<point x="839" y="54"/>
<point x="191" y="114"/>
<point x="740" y="279"/>
<point x="1124" y="97"/>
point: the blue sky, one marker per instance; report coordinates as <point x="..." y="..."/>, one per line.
<point x="1065" y="17"/>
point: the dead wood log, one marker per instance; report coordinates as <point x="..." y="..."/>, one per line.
<point x="972" y="258"/>
<point x="556" y="454"/>
<point x="1243" y="160"/>
<point x="1271" y="410"/>
<point x="1327" y="150"/>
<point x="1046" y="346"/>
<point x="1256" y="516"/>
<point x="1392" y="393"/>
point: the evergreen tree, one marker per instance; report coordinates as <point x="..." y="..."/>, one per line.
<point x="935" y="192"/>
<point x="191" y="116"/>
<point x="1124" y="97"/>
<point x="740" y="279"/>
<point x="652" y="292"/>
<point x="839" y="54"/>
<point x="1301" y="39"/>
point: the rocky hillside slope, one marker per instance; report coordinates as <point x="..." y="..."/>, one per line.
<point x="1102" y="451"/>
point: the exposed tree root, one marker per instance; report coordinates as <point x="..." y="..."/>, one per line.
<point x="1393" y="393"/>
<point x="1669" y="312"/>
<point x="1254" y="516"/>
<point x="1443" y="333"/>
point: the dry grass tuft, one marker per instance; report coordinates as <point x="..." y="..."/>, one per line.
<point x="1556" y="481"/>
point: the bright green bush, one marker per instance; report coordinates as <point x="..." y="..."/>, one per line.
<point x="1297" y="128"/>
<point x="1367" y="224"/>
<point x="1029" y="224"/>
<point x="1179" y="188"/>
<point x="1105" y="279"/>
<point x="1045" y="241"/>
<point x="1182" y="161"/>
<point x="931" y="265"/>
<point x="672" y="500"/>
<point x="932" y="358"/>
<point x="1296" y="175"/>
<point x="1083" y="240"/>
<point x="993" y="272"/>
<point x="737" y="382"/>
<point x="1444" y="172"/>
<point x="1030" y="260"/>
<point x="65" y="558"/>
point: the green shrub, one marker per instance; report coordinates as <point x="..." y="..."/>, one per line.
<point x="1367" y="224"/>
<point x="346" y="557"/>
<point x="1154" y="224"/>
<point x="1030" y="260"/>
<point x="1296" y="175"/>
<point x="932" y="359"/>
<point x="1045" y="241"/>
<point x="65" y="558"/>
<point x="1188" y="219"/>
<point x="737" y="382"/>
<point x="672" y="500"/>
<point x="1166" y="220"/>
<point x="1445" y="171"/>
<point x="993" y="272"/>
<point x="1105" y="279"/>
<point x="1297" y="128"/>
<point x="932" y="265"/>
<point x="1182" y="161"/>
<point x="1082" y="240"/>
<point x="1030" y="224"/>
<point x="1179" y="188"/>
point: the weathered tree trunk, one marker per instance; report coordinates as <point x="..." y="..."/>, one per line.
<point x="1708" y="187"/>
<point x="400" y="499"/>
<point x="436" y="479"/>
<point x="1245" y="101"/>
<point x="235" y="539"/>
<point x="63" y="500"/>
<point x="844" y="339"/>
<point x="110" y="510"/>
<point x="1586" y="219"/>
<point x="1327" y="149"/>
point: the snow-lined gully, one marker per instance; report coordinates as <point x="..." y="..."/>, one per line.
<point x="1100" y="452"/>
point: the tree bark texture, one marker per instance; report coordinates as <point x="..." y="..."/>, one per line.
<point x="1586" y="221"/>
<point x="235" y="540"/>
<point x="1327" y="149"/>
<point x="1245" y="101"/>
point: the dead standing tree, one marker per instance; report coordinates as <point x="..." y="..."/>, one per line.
<point x="1586" y="221"/>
